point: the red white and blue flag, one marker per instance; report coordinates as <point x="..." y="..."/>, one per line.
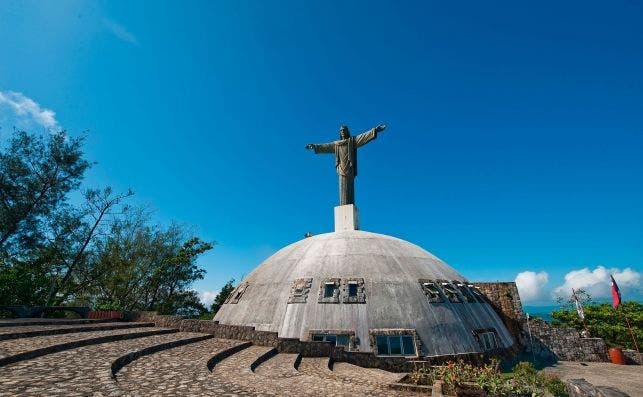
<point x="616" y="294"/>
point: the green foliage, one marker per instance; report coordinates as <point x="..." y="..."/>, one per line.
<point x="524" y="380"/>
<point x="100" y="253"/>
<point x="221" y="297"/>
<point x="605" y="322"/>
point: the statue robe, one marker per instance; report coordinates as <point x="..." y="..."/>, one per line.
<point x="346" y="161"/>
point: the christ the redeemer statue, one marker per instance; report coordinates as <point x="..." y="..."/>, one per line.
<point x="345" y="150"/>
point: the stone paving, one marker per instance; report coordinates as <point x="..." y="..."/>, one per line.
<point x="85" y="371"/>
<point x="174" y="372"/>
<point x="280" y="366"/>
<point x="315" y="379"/>
<point x="15" y="346"/>
<point x="627" y="378"/>
<point x="68" y="328"/>
<point x="177" y="371"/>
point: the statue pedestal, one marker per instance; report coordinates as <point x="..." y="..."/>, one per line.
<point x="346" y="218"/>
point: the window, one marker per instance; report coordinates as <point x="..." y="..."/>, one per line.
<point x="329" y="290"/>
<point x="487" y="339"/>
<point x="395" y="345"/>
<point x="451" y="293"/>
<point x="337" y="340"/>
<point x="432" y="291"/>
<point x="352" y="289"/>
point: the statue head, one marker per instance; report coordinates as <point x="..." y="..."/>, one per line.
<point x="344" y="133"/>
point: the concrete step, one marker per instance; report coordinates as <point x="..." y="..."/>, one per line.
<point x="19" y="322"/>
<point x="14" y="350"/>
<point x="43" y="330"/>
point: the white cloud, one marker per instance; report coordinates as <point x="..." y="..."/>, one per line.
<point x="120" y="31"/>
<point x="531" y="285"/>
<point x="23" y="112"/>
<point x="597" y="282"/>
<point x="207" y="297"/>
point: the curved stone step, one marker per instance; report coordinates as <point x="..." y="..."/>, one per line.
<point x="84" y="371"/>
<point x="146" y="351"/>
<point x="44" y="330"/>
<point x="178" y="371"/>
<point x="222" y="355"/>
<point x="19" y="322"/>
<point x="360" y="375"/>
<point x="282" y="365"/>
<point x="15" y="350"/>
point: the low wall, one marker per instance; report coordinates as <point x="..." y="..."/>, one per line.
<point x="288" y="345"/>
<point x="550" y="343"/>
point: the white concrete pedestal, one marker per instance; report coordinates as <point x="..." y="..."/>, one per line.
<point x="346" y="218"/>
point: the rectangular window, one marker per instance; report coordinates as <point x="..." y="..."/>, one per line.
<point x="342" y="340"/>
<point x="331" y="338"/>
<point x="408" y="345"/>
<point x="352" y="289"/>
<point x="336" y="340"/>
<point x="488" y="340"/>
<point x="329" y="290"/>
<point x="395" y="345"/>
<point x="382" y="345"/>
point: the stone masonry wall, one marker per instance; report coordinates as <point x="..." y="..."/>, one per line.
<point x="288" y="345"/>
<point x="547" y="343"/>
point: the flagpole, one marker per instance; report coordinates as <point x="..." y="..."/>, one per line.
<point x="636" y="345"/>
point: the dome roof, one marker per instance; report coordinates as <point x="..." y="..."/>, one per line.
<point x="286" y="294"/>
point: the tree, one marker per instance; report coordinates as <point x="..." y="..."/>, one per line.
<point x="144" y="267"/>
<point x="101" y="253"/>
<point x="36" y="174"/>
<point x="221" y="297"/>
<point x="605" y="322"/>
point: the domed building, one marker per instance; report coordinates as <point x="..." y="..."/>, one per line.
<point x="364" y="291"/>
<point x="367" y="292"/>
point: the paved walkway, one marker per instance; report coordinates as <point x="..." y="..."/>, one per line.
<point x="84" y="371"/>
<point x="15" y="346"/>
<point x="181" y="371"/>
<point x="314" y="379"/>
<point x="627" y="378"/>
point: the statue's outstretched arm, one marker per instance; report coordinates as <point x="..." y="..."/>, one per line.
<point x="366" y="137"/>
<point x="322" y="147"/>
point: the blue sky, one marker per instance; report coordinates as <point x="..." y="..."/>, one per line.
<point x="514" y="140"/>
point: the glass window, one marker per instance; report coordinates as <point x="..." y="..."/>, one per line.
<point x="408" y="345"/>
<point x="382" y="345"/>
<point x="331" y="338"/>
<point x="488" y="340"/>
<point x="352" y="289"/>
<point x="342" y="340"/>
<point x="329" y="290"/>
<point x="318" y="338"/>
<point x="395" y="345"/>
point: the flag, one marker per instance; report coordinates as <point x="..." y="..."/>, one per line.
<point x="579" y="307"/>
<point x="616" y="294"/>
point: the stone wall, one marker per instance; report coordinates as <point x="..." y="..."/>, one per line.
<point x="504" y="298"/>
<point x="547" y="343"/>
<point x="288" y="345"/>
